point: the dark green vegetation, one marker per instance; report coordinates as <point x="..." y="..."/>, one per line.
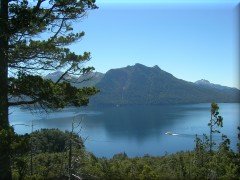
<point x="34" y="38"/>
<point x="215" y="122"/>
<point x="50" y="160"/>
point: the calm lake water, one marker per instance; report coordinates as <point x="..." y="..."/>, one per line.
<point x="136" y="130"/>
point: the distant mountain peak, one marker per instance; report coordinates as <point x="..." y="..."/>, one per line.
<point x="56" y="73"/>
<point x="202" y="81"/>
<point x="140" y="84"/>
<point x="87" y="80"/>
<point x="144" y="66"/>
<point x="206" y="83"/>
<point x="156" y="67"/>
<point x="139" y="65"/>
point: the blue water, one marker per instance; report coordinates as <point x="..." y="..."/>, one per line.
<point x="136" y="130"/>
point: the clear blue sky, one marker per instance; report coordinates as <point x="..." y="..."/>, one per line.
<point x="192" y="41"/>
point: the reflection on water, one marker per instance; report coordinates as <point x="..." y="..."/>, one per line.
<point x="136" y="130"/>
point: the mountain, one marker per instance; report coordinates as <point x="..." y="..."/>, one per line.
<point x="90" y="79"/>
<point x="87" y="80"/>
<point x="140" y="84"/>
<point x="207" y="84"/>
<point x="56" y="75"/>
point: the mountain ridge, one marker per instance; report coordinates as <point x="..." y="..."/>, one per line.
<point x="139" y="84"/>
<point x="204" y="82"/>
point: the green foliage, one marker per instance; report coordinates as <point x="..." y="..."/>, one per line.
<point x="215" y="122"/>
<point x="50" y="149"/>
<point x="218" y="120"/>
<point x="50" y="165"/>
<point x="54" y="141"/>
<point x="6" y="135"/>
<point x="181" y="165"/>
<point x="47" y="93"/>
<point x="31" y="53"/>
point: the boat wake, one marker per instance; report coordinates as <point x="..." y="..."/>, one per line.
<point x="176" y="134"/>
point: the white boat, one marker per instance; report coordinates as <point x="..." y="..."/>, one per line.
<point x="168" y="133"/>
<point x="171" y="133"/>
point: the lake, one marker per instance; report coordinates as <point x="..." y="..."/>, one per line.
<point x="136" y="130"/>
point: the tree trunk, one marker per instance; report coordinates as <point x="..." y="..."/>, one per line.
<point x="5" y="166"/>
<point x="211" y="131"/>
<point x="70" y="154"/>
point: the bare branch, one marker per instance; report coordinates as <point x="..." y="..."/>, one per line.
<point x="62" y="76"/>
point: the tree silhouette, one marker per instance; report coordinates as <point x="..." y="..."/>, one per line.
<point x="215" y="121"/>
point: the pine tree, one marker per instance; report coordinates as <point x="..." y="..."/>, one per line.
<point x="215" y="121"/>
<point x="34" y="38"/>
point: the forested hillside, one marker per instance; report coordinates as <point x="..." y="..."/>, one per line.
<point x="140" y="84"/>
